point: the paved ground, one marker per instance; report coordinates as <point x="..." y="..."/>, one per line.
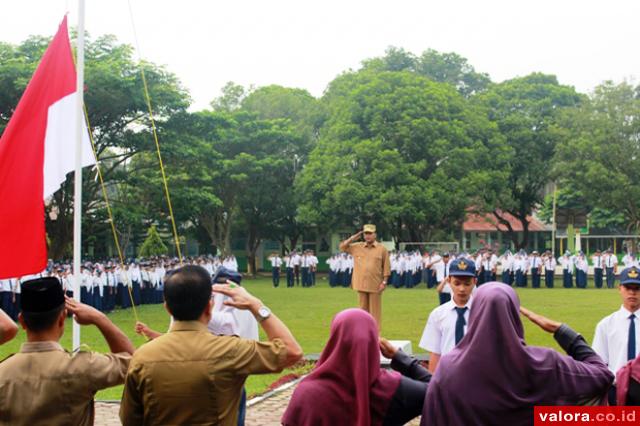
<point x="264" y="413"/>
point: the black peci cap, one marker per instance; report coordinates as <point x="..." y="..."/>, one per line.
<point x="41" y="295"/>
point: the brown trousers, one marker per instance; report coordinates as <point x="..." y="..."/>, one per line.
<point x="372" y="303"/>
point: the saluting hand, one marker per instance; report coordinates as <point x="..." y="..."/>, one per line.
<point x="548" y="325"/>
<point x="240" y="297"/>
<point x="83" y="314"/>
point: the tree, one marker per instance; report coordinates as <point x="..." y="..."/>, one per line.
<point x="527" y="111"/>
<point x="120" y="123"/>
<point x="600" y="152"/>
<point x="448" y="68"/>
<point x="402" y="151"/>
<point x="153" y="245"/>
<point x="305" y="115"/>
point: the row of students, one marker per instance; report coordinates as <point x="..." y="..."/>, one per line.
<point x="297" y="265"/>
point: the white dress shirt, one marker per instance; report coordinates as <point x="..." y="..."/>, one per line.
<point x="612" y="338"/>
<point x="439" y="335"/>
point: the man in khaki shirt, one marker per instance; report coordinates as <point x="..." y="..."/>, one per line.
<point x="45" y="385"/>
<point x="189" y="376"/>
<point x="371" y="270"/>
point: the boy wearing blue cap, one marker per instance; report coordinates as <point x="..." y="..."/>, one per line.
<point x="447" y="323"/>
<point x="617" y="336"/>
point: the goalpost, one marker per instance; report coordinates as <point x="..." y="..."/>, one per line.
<point x="441" y="246"/>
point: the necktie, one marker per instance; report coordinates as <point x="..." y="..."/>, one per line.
<point x="631" y="347"/>
<point x="460" y="323"/>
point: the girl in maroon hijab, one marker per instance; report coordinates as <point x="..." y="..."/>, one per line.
<point x="628" y="380"/>
<point x="493" y="378"/>
<point x="348" y="387"/>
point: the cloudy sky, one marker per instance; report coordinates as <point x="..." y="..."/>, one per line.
<point x="306" y="43"/>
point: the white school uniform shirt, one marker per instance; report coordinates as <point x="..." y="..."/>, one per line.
<point x="567" y="262"/>
<point x="112" y="278"/>
<point x="135" y="274"/>
<point x="550" y="264"/>
<point x="313" y="261"/>
<point x="630" y="261"/>
<point x="276" y="262"/>
<point x="507" y="263"/>
<point x="5" y="285"/>
<point x="610" y="261"/>
<point x="441" y="269"/>
<point x="426" y="260"/>
<point x="393" y="263"/>
<point x="87" y="280"/>
<point x="597" y="261"/>
<point x="536" y="261"/>
<point x="582" y="264"/>
<point x="612" y="337"/>
<point x="100" y="282"/>
<point x="439" y="335"/>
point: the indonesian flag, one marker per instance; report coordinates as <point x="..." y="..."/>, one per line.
<point x="37" y="150"/>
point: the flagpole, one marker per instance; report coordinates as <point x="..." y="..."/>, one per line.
<point x="77" y="200"/>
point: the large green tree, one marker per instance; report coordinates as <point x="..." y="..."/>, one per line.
<point x="600" y="153"/>
<point x="527" y="111"/>
<point x="402" y="151"/>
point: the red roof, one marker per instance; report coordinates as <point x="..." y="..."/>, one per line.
<point x="488" y="223"/>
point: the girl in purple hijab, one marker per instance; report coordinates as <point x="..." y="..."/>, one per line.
<point x="348" y="387"/>
<point x="493" y="378"/>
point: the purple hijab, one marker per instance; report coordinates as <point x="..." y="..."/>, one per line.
<point x="492" y="377"/>
<point x="347" y="386"/>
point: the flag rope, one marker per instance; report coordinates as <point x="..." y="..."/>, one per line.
<point x="155" y="135"/>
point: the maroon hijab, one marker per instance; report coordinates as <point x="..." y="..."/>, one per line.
<point x="624" y="376"/>
<point x="347" y="386"/>
<point x="492" y="377"/>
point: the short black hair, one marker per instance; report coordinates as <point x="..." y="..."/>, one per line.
<point x="40" y="321"/>
<point x="187" y="291"/>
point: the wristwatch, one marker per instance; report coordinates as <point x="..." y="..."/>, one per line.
<point x="263" y="313"/>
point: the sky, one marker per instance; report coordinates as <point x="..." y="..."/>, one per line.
<point x="307" y="43"/>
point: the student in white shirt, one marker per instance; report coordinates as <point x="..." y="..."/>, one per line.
<point x="426" y="269"/>
<point x="617" y="337"/>
<point x="598" y="268"/>
<point x="536" y="269"/>
<point x="549" y="263"/>
<point x="506" y="264"/>
<point x="630" y="260"/>
<point x="610" y="268"/>
<point x="313" y="266"/>
<point x="582" y="268"/>
<point x="441" y="272"/>
<point x="448" y="322"/>
<point x="567" y="263"/>
<point x="276" y="263"/>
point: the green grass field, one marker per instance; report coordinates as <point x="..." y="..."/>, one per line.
<point x="308" y="313"/>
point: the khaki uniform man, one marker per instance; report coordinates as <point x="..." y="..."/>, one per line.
<point x="45" y="385"/>
<point x="191" y="377"/>
<point x="371" y="270"/>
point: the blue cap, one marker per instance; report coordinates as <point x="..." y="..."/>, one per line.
<point x="630" y="276"/>
<point x="223" y="274"/>
<point x="462" y="267"/>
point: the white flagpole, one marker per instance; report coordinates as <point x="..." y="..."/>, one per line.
<point x="77" y="200"/>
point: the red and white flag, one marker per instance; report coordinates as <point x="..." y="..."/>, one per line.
<point x="37" y="150"/>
